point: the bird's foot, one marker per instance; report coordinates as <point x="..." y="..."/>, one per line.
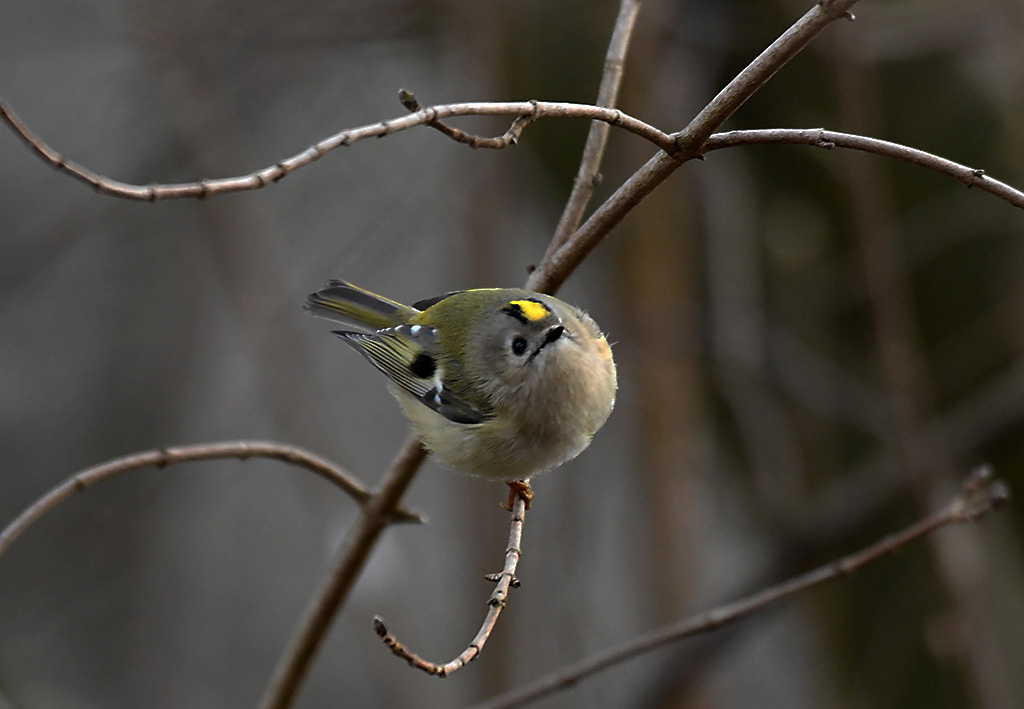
<point x="520" y="489"/>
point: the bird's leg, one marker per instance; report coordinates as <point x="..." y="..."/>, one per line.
<point x="521" y="489"/>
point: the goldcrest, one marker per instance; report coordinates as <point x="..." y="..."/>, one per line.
<point x="498" y="382"/>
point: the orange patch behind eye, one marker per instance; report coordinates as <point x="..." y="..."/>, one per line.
<point x="531" y="309"/>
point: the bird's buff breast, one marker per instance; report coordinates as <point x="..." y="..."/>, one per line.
<point x="541" y="438"/>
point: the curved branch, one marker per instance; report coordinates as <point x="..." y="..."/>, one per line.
<point x="186" y="454"/>
<point x="505" y="580"/>
<point x="819" y="137"/>
<point x="978" y="496"/>
<point x="273" y="173"/>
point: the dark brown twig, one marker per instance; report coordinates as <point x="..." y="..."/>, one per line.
<point x="978" y="496"/>
<point x="505" y="580"/>
<point x="187" y="454"/>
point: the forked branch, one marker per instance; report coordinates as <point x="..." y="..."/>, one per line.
<point x="552" y="272"/>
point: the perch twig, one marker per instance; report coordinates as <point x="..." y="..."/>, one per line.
<point x="504" y="580"/>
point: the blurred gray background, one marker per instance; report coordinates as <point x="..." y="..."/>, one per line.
<point x="754" y="434"/>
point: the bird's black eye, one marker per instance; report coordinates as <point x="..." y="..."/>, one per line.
<point x="518" y="346"/>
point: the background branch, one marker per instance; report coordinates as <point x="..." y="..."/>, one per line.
<point x="927" y="460"/>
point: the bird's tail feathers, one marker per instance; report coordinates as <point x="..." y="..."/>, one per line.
<point x="345" y="303"/>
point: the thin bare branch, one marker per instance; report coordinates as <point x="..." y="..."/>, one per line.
<point x="188" y="454"/>
<point x="552" y="272"/>
<point x="819" y="137"/>
<point x="273" y="173"/>
<point x="587" y="176"/>
<point x="978" y="496"/>
<point x="312" y="628"/>
<point x="504" y="580"/>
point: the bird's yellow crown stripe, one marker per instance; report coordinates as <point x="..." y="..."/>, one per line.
<point x="532" y="310"/>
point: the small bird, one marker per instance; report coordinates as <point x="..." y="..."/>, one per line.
<point x="502" y="383"/>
